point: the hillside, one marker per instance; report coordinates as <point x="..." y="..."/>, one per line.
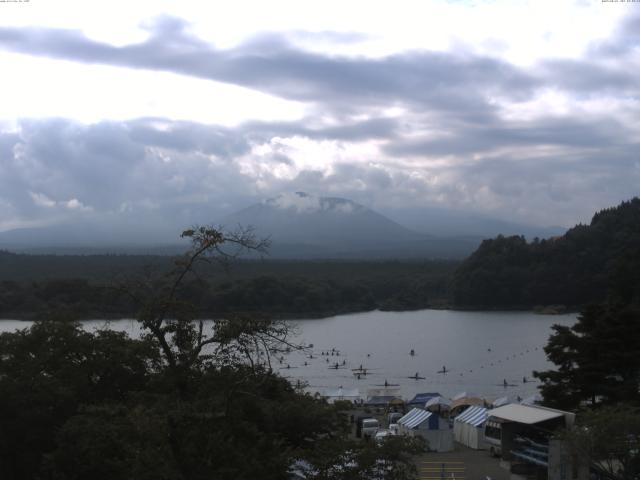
<point x="580" y="267"/>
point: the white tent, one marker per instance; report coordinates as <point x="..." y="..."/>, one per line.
<point x="499" y="402"/>
<point x="464" y="395"/>
<point x="437" y="404"/>
<point x="429" y="426"/>
<point x="534" y="399"/>
<point x="468" y="427"/>
<point x="414" y="419"/>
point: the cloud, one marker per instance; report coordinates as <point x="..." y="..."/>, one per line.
<point x="271" y="64"/>
<point x="298" y="202"/>
<point x="416" y="128"/>
<point x="41" y="200"/>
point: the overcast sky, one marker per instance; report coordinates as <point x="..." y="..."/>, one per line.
<point x="522" y="110"/>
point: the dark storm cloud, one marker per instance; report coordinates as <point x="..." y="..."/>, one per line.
<point x="441" y="81"/>
<point x="556" y="131"/>
<point x="111" y="167"/>
<point x="584" y="77"/>
<point x="188" y="137"/>
<point x="347" y="130"/>
<point x="446" y="82"/>
<point x="150" y="170"/>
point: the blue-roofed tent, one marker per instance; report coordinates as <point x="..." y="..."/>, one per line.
<point x="468" y="427"/>
<point x="422" y="398"/>
<point x="383" y="401"/>
<point x="428" y="425"/>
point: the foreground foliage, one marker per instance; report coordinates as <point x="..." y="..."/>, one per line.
<point x="183" y="402"/>
<point x="610" y="438"/>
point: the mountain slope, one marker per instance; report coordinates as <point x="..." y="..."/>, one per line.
<point x="306" y="226"/>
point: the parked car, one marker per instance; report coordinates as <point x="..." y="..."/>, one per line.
<point x="369" y="427"/>
<point x="383" y="434"/>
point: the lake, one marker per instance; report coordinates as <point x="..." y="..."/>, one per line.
<point x="480" y="350"/>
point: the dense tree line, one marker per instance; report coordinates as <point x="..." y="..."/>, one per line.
<point x="597" y="375"/>
<point x="314" y="289"/>
<point x="182" y="402"/>
<point x="581" y="267"/>
<point x="597" y="360"/>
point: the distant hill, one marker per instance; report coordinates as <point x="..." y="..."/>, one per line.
<point x="306" y="226"/>
<point x="446" y="222"/>
<point x="580" y="267"/>
<point x="90" y="238"/>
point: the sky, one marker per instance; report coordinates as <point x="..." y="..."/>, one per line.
<point x="160" y="112"/>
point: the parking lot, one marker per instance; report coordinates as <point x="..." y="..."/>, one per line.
<point x="461" y="464"/>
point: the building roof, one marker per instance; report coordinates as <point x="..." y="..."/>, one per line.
<point x="525" y="413"/>
<point x="414" y="418"/>
<point x="475" y="416"/>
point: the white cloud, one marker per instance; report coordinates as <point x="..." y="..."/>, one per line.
<point x="41" y="200"/>
<point x="75" y="204"/>
<point x="499" y="106"/>
<point x="297" y="202"/>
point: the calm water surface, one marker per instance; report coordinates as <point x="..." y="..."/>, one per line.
<point x="479" y="350"/>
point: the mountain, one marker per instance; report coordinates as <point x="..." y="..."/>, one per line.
<point x="90" y="237"/>
<point x="301" y="226"/>
<point x="306" y="226"/>
<point x="583" y="266"/>
<point x="451" y="223"/>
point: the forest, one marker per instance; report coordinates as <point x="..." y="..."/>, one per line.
<point x="184" y="401"/>
<point x="92" y="286"/>
<point x="581" y="267"/>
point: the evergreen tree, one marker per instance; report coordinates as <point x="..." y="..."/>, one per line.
<point x="597" y="359"/>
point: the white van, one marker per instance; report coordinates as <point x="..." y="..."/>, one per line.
<point x="369" y="427"/>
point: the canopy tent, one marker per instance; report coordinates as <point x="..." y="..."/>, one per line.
<point x="415" y="418"/>
<point x="468" y="427"/>
<point x="421" y="398"/>
<point x="534" y="399"/>
<point x="334" y="395"/>
<point x="499" y="402"/>
<point x="438" y="404"/>
<point x="429" y="426"/>
<point x="461" y="403"/>
<point x="464" y="395"/>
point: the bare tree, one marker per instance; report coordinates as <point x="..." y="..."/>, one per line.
<point x="180" y="330"/>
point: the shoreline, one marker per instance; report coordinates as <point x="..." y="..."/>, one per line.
<point x="549" y="310"/>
